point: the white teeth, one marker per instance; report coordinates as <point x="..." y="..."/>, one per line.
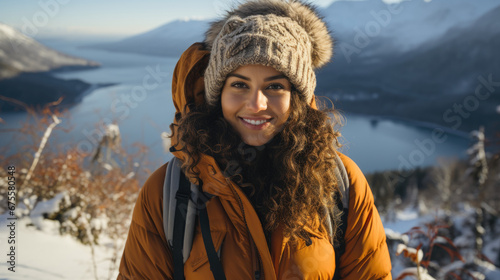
<point x="255" y="122"/>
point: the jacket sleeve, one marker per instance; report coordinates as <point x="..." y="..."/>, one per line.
<point x="366" y="255"/>
<point x="146" y="254"/>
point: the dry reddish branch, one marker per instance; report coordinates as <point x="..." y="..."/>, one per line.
<point x="434" y="237"/>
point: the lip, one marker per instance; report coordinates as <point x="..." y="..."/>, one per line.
<point x="255" y="127"/>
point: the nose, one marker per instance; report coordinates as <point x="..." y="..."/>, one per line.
<point x="257" y="101"/>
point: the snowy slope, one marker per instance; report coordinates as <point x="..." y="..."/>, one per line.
<point x="20" y="53"/>
<point x="46" y="255"/>
<point x="460" y="55"/>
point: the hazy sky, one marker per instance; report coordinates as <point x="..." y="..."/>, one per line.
<point x="107" y="18"/>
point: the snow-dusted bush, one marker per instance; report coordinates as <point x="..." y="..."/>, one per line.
<point x="445" y="249"/>
<point x="68" y="186"/>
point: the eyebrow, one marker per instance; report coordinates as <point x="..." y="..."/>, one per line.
<point x="238" y="76"/>
<point x="280" y="76"/>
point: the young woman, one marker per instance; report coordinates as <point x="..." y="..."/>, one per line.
<point x="248" y="132"/>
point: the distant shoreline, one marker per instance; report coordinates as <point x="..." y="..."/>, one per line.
<point x="40" y="88"/>
<point x="438" y="112"/>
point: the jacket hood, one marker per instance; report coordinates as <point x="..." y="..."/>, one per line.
<point x="187" y="81"/>
<point x="304" y="14"/>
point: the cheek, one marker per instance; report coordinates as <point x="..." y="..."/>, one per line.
<point x="284" y="108"/>
<point x="228" y="105"/>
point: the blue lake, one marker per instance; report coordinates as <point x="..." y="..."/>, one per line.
<point x="141" y="104"/>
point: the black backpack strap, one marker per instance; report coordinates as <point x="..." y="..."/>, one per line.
<point x="182" y="196"/>
<point x="215" y="264"/>
<point x="342" y="203"/>
<point x="343" y="181"/>
<point x="340" y="243"/>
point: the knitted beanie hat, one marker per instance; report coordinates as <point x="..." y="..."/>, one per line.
<point x="286" y="35"/>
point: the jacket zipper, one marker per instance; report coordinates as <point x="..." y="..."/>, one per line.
<point x="256" y="261"/>
<point x="255" y="253"/>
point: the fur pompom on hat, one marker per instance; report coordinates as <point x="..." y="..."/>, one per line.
<point x="289" y="36"/>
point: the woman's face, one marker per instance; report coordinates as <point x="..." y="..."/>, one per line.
<point x="256" y="101"/>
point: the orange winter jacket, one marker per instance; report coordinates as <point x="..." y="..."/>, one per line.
<point x="235" y="227"/>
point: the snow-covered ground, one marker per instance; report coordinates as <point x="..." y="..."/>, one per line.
<point x="45" y="254"/>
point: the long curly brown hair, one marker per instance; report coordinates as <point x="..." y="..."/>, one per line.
<point x="289" y="180"/>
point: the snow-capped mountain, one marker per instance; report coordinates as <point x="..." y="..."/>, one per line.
<point x="404" y="25"/>
<point x="20" y="53"/>
<point x="448" y="45"/>
<point x="167" y="40"/>
<point x="452" y="62"/>
<point x="430" y="78"/>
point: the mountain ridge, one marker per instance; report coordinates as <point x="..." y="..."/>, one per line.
<point x="20" y="53"/>
<point x="159" y="41"/>
<point x="25" y="72"/>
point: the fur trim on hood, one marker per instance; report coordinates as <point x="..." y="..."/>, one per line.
<point x="304" y="14"/>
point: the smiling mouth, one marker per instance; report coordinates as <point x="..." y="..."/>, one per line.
<point x="255" y="122"/>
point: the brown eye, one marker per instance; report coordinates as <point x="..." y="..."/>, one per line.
<point x="275" y="86"/>
<point x="239" y="85"/>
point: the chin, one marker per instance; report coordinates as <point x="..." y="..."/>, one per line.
<point x="254" y="143"/>
<point x="256" y="140"/>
